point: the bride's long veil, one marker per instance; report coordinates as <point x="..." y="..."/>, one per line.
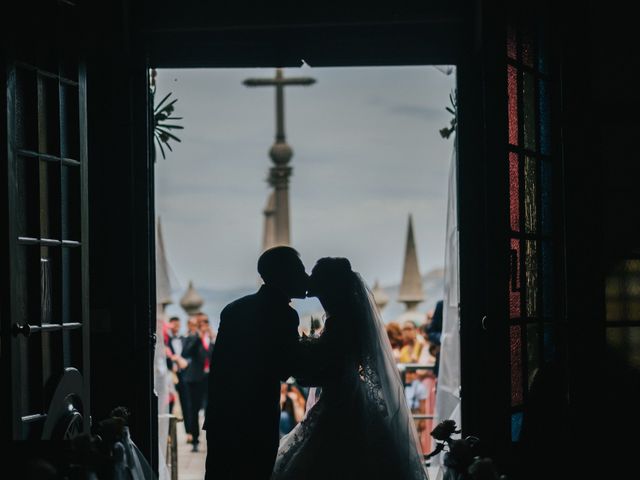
<point x="382" y="434"/>
<point x="389" y="420"/>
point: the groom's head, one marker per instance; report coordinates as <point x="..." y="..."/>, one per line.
<point x="282" y="268"/>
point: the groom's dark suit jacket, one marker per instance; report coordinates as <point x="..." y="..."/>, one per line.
<point x="255" y="349"/>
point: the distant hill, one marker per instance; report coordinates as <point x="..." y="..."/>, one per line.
<point x="216" y="299"/>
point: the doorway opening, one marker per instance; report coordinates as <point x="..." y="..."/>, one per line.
<point x="371" y="176"/>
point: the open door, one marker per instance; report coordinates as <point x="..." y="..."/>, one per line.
<point x="509" y="215"/>
<point x="45" y="344"/>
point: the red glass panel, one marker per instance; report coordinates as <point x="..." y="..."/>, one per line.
<point x="512" y="83"/>
<point x="514" y="280"/>
<point x="514" y="192"/>
<point x="516" y="365"/>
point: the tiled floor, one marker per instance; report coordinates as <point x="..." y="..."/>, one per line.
<point x="191" y="464"/>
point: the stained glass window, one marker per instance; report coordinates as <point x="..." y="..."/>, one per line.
<point x="531" y="168"/>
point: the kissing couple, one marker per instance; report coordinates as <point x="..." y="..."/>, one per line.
<point x="360" y="426"/>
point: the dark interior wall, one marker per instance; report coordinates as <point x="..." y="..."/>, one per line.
<point x="122" y="296"/>
<point x="602" y="172"/>
<point x="211" y="34"/>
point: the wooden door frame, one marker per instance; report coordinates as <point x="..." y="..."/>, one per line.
<point x="470" y="42"/>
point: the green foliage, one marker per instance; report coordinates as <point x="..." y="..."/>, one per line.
<point x="453" y="110"/>
<point x="163" y="119"/>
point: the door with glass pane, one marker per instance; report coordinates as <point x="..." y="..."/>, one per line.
<point x="47" y="361"/>
<point x="533" y="161"/>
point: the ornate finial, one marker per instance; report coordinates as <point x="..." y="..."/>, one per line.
<point x="380" y="296"/>
<point x="191" y="301"/>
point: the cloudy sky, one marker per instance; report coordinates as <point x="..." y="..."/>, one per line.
<point x="367" y="153"/>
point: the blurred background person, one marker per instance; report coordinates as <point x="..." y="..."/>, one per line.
<point x="416" y="394"/>
<point x="178" y="365"/>
<point x="413" y="343"/>
<point x="292" y="406"/>
<point x="394" y="332"/>
<point x="198" y="353"/>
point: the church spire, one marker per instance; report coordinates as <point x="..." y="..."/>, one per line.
<point x="411" y="293"/>
<point x="280" y="154"/>
<point x="269" y="233"/>
<point x="163" y="284"/>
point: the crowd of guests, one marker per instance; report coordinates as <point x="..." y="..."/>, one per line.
<point x="414" y="343"/>
<point x="188" y="356"/>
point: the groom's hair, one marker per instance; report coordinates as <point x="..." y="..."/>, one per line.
<point x="272" y="264"/>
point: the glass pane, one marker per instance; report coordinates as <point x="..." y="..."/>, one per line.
<point x="70" y="205"/>
<point x="529" y="105"/>
<point x="49" y="116"/>
<point x="70" y="122"/>
<point x="71" y="290"/>
<point x="545" y="196"/>
<point x="512" y="86"/>
<point x="516" y="365"/>
<point x="511" y="42"/>
<point x="625" y="343"/>
<point x="545" y="117"/>
<point x="543" y="61"/>
<point x="547" y="279"/>
<point x="516" y="426"/>
<point x="549" y="342"/>
<point x="66" y="285"/>
<point x="514" y="191"/>
<point x="515" y="294"/>
<point x="28" y="197"/>
<point x="73" y="352"/>
<point x="26" y="113"/>
<point x="530" y="187"/>
<point x="49" y="199"/>
<point x="531" y="275"/>
<point x="622" y="291"/>
<point x="533" y="351"/>
<point x="527" y="46"/>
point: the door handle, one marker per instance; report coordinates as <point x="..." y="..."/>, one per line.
<point x="484" y="322"/>
<point x="21" y="329"/>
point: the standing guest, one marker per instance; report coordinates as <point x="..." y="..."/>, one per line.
<point x="208" y="336"/>
<point x="428" y="378"/>
<point x="178" y="364"/>
<point x="434" y="331"/>
<point x="417" y="395"/>
<point x="198" y="352"/>
<point x="413" y="343"/>
<point x="394" y="332"/>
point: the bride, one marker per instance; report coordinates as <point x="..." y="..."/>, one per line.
<point x="360" y="426"/>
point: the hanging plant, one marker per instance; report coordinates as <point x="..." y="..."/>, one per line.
<point x="162" y="119"/>
<point x="453" y="110"/>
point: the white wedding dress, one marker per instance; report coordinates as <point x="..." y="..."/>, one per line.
<point x="360" y="426"/>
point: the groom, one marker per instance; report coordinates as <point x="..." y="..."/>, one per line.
<point x="255" y="349"/>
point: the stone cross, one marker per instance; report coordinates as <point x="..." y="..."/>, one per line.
<point x="279" y="82"/>
<point x="277" y="219"/>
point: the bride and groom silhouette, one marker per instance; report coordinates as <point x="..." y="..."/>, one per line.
<point x="360" y="425"/>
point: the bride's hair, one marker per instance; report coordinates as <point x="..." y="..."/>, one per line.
<point x="333" y="281"/>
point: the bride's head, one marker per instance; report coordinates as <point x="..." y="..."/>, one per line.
<point x="333" y="282"/>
